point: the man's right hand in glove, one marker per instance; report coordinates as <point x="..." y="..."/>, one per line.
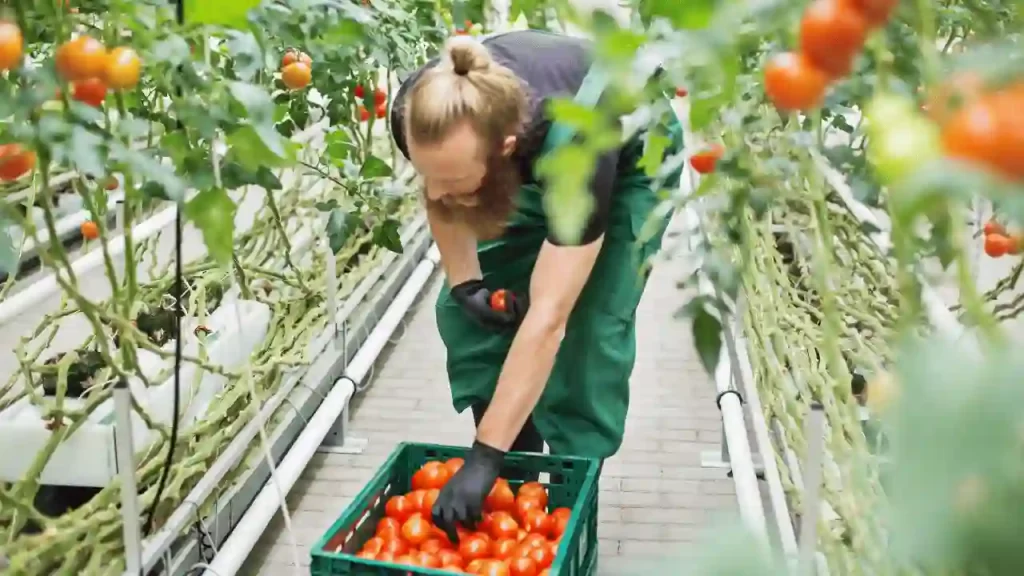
<point x="497" y="310"/>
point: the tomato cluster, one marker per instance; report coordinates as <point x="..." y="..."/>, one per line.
<point x="93" y="70"/>
<point x="517" y="536"/>
<point x="832" y="33"/>
<point x="999" y="243"/>
<point x="380" y="103"/>
<point x="296" y="69"/>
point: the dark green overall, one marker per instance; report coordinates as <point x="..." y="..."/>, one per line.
<point x="582" y="411"/>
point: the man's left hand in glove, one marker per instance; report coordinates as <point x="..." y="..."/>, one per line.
<point x="462" y="499"/>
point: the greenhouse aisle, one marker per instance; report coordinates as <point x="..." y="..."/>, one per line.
<point x="654" y="493"/>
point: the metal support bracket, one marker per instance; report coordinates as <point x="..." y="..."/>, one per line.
<point x="337" y="440"/>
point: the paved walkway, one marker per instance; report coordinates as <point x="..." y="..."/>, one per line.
<point x="654" y="493"/>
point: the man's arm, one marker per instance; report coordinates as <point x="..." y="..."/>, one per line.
<point x="558" y="279"/>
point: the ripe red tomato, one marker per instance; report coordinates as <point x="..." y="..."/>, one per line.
<point x="993" y="227"/>
<point x="997" y="245"/>
<point x="366" y="555"/>
<point x="394" y="546"/>
<point x="704" y="162"/>
<point x="429" y="498"/>
<point x="544" y="572"/>
<point x="416" y="530"/>
<point x="364" y="114"/>
<point x="538" y="522"/>
<point x="381" y="110"/>
<point x="427" y="560"/>
<point x="380" y="97"/>
<point x="499" y="301"/>
<point x="522" y="567"/>
<point x="385" y="557"/>
<point x="475" y="566"/>
<point x="501" y="496"/>
<point x="542" y="555"/>
<point x="474" y="547"/>
<point x="399" y="508"/>
<point x="681" y="92"/>
<point x="92" y="91"/>
<point x="524" y="504"/>
<point x="359" y="92"/>
<point x="416" y="498"/>
<point x="389" y="529"/>
<point x="973" y="133"/>
<point x="434" y="545"/>
<point x="12" y="46"/>
<point x="534" y="490"/>
<point x="374" y="545"/>
<point x="534" y="540"/>
<point x="407" y="559"/>
<point x="81" y="58"/>
<point x="876" y="12"/>
<point x="791" y="82"/>
<point x="832" y="33"/>
<point x="121" y="69"/>
<point x="502" y="549"/>
<point x="503" y="525"/>
<point x="454" y="465"/>
<point x="450" y="558"/>
<point x="494" y="568"/>
<point x="15" y="162"/>
<point x="957" y="92"/>
<point x="432" y="475"/>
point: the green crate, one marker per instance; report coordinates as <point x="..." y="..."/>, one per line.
<point x="575" y="488"/>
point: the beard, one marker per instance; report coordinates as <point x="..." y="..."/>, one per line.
<point x="496" y="200"/>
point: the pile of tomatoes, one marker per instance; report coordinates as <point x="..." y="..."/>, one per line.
<point x="517" y="536"/>
<point x="832" y="34"/>
<point x="296" y="69"/>
<point x="999" y="243"/>
<point x="380" y="103"/>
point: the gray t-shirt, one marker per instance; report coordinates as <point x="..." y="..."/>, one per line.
<point x="552" y="66"/>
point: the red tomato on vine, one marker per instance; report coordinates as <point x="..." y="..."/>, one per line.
<point x="15" y="162"/>
<point x="704" y="162"/>
<point x="12" y="46"/>
<point x="81" y="58"/>
<point x="998" y="245"/>
<point x="832" y="33"/>
<point x="876" y="12"/>
<point x="122" y="68"/>
<point x="296" y="75"/>
<point x="993" y="227"/>
<point x="91" y="91"/>
<point x="793" y="83"/>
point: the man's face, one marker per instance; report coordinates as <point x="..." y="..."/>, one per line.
<point x="468" y="180"/>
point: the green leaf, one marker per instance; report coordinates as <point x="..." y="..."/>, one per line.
<point x="256" y="100"/>
<point x="386" y="235"/>
<point x="247" y="57"/>
<point x="83" y="150"/>
<point x="374" y="167"/>
<point x="707" y="339"/>
<point x="340" y="225"/>
<point x="693" y="15"/>
<point x="213" y="212"/>
<point x="229" y="13"/>
<point x="11" y="238"/>
<point x="654" y="152"/>
<point x="249" y="148"/>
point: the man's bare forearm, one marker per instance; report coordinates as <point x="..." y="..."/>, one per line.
<point x="457" y="245"/>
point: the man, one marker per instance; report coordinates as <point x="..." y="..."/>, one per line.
<point x="474" y="125"/>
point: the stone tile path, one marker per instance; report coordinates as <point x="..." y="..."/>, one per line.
<point x="654" y="494"/>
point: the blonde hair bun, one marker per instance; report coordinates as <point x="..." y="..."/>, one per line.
<point x="464" y="54"/>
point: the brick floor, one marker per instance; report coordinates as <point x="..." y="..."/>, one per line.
<point x="654" y="494"/>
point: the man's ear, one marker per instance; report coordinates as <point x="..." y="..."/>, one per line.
<point x="508" y="146"/>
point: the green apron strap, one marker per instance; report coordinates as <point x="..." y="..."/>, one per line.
<point x="588" y="95"/>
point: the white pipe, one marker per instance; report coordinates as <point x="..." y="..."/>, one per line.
<point x="254" y="522"/>
<point x="814" y="432"/>
<point x="748" y="494"/>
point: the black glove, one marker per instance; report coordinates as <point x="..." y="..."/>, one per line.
<point x="462" y="499"/>
<point x="476" y="300"/>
